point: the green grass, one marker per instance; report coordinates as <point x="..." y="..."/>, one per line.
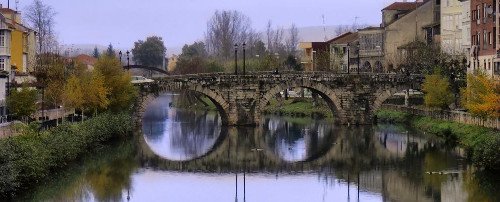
<point x="392" y="116"/>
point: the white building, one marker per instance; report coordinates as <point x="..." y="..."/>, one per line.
<point x="452" y="30"/>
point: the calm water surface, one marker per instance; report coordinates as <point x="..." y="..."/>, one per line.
<point x="188" y="156"/>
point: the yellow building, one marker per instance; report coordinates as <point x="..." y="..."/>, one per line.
<point x="17" y="43"/>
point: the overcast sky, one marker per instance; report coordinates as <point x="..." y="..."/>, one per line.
<point x="121" y="22"/>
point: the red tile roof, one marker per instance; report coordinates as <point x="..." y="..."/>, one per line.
<point x="403" y="6"/>
<point x="86" y="59"/>
<point x="6" y="10"/>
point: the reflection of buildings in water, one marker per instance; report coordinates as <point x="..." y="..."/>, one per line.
<point x="399" y="143"/>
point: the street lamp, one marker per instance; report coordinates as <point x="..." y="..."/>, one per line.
<point x="128" y="59"/>
<point x="244" y="65"/>
<point x="236" y="59"/>
<point x="120" y="56"/>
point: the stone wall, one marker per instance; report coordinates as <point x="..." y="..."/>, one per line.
<point x="456" y="116"/>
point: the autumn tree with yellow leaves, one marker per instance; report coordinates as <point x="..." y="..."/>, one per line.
<point x="437" y="91"/>
<point x="482" y="95"/>
<point x="118" y="81"/>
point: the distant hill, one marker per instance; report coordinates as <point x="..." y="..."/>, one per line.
<point x="312" y="33"/>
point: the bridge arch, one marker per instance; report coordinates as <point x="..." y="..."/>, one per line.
<point x="384" y="94"/>
<point x="334" y="103"/>
<point x="220" y="103"/>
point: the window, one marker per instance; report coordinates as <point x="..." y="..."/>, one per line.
<point x="2" y="64"/>
<point x="489" y="38"/>
<point x="2" y="38"/>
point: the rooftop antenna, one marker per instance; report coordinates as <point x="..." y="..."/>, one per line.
<point x="324" y="27"/>
<point x="8" y="3"/>
<point x="17" y="5"/>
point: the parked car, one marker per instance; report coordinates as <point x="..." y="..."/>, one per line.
<point x="141" y="79"/>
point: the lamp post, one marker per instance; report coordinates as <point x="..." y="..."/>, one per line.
<point x="236" y="59"/>
<point x="120" y="57"/>
<point x="244" y="63"/>
<point x="128" y="59"/>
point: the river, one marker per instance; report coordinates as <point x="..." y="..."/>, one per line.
<point x="182" y="155"/>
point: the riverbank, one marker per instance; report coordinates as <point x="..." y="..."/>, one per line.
<point x="482" y="144"/>
<point x="29" y="158"/>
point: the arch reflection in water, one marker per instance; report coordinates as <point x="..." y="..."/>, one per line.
<point x="295" y="140"/>
<point x="176" y="134"/>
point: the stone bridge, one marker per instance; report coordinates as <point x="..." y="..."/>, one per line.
<point x="353" y="98"/>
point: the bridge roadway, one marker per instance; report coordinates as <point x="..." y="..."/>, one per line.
<point x="240" y="99"/>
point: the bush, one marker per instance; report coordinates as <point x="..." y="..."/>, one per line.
<point x="28" y="158"/>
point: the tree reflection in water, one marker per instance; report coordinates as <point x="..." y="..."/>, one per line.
<point x="295" y="140"/>
<point x="177" y="134"/>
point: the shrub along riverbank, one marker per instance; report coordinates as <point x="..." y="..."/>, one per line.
<point x="482" y="144"/>
<point x="28" y="158"/>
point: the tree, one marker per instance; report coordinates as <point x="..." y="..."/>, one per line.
<point x="420" y="57"/>
<point x="225" y="29"/>
<point x="117" y="81"/>
<point x="55" y="80"/>
<point x="275" y="38"/>
<point x="110" y="51"/>
<point x="193" y="59"/>
<point x="96" y="53"/>
<point x="482" y="95"/>
<point x="95" y="93"/>
<point x="73" y="96"/>
<point x="292" y="63"/>
<point x="197" y="49"/>
<point x="41" y="18"/>
<point x="22" y="103"/>
<point x="292" y="41"/>
<point x="150" y="52"/>
<point x="437" y="91"/>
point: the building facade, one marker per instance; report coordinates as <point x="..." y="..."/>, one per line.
<point x="313" y="55"/>
<point x="344" y="52"/>
<point x="371" y="45"/>
<point x="414" y="21"/>
<point x="483" y="36"/>
<point x="452" y="27"/>
<point x="17" y="42"/>
<point x="17" y="51"/>
<point x="466" y="29"/>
